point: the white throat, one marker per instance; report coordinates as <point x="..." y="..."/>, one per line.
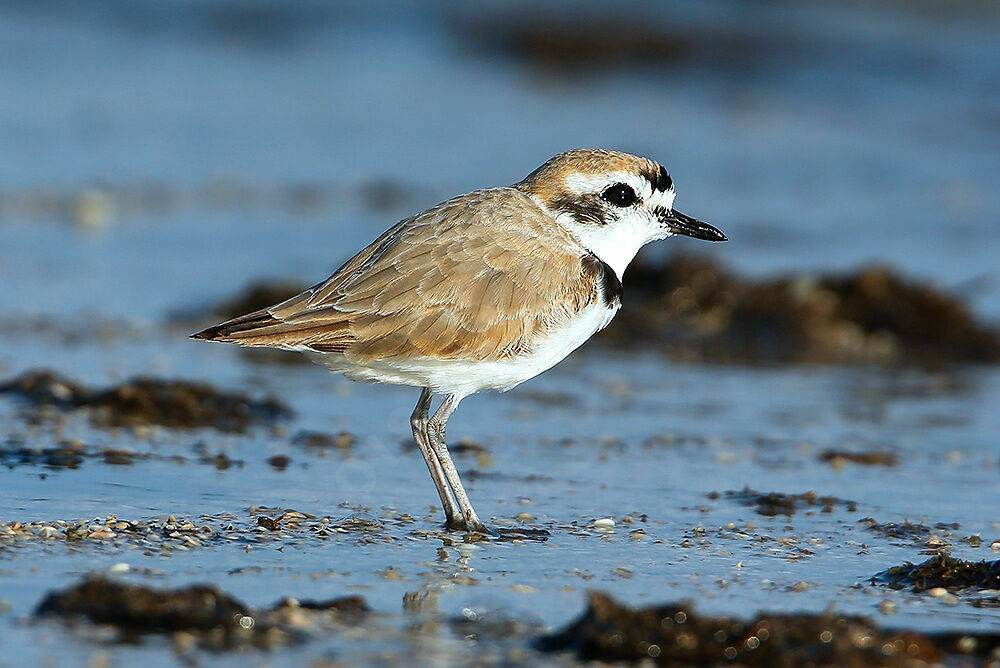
<point x="616" y="247"/>
<point x="618" y="243"/>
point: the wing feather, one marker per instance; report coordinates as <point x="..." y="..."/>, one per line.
<point x="481" y="276"/>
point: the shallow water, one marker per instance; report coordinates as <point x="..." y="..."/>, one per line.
<point x="807" y="159"/>
<point x="605" y="435"/>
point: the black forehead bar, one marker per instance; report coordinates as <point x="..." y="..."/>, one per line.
<point x="586" y="209"/>
<point x="659" y="179"/>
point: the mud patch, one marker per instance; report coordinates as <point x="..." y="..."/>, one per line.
<point x="673" y="634"/>
<point x="592" y="44"/>
<point x="942" y="571"/>
<point x="279" y="462"/>
<point x="778" y="503"/>
<point x="200" y="615"/>
<point x="322" y="441"/>
<point x="476" y="474"/>
<point x="71" y="454"/>
<point x="66" y="454"/>
<point x="839" y="458"/>
<point x="146" y="402"/>
<point x="696" y="309"/>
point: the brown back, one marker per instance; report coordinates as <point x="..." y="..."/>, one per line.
<point x="482" y="276"/>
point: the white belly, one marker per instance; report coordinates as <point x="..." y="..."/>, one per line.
<point x="466" y="377"/>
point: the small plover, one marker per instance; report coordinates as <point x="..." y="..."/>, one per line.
<point x="483" y="291"/>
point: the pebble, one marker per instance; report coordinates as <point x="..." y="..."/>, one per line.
<point x="49" y="532"/>
<point x="943" y="595"/>
<point x="161" y="534"/>
<point x="966" y="644"/>
<point x="604" y="523"/>
<point x="523" y="589"/>
<point x="467" y="549"/>
<point x="93" y="208"/>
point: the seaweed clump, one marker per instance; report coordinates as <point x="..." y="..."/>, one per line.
<point x="134" y="608"/>
<point x="778" y="503"/>
<point x="145" y="402"/>
<point x="199" y="615"/>
<point x="694" y="308"/>
<point x="674" y="635"/>
<point x="838" y="458"/>
<point x="943" y="571"/>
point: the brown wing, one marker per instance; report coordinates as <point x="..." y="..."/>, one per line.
<point x="479" y="277"/>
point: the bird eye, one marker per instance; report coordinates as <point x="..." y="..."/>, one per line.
<point x="619" y="195"/>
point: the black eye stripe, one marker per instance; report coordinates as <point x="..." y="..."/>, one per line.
<point x="620" y="194"/>
<point x="587" y="209"/>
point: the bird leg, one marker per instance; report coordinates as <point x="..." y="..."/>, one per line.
<point x="418" y="422"/>
<point x="436" y="431"/>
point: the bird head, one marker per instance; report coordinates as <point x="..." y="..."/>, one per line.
<point x="613" y="203"/>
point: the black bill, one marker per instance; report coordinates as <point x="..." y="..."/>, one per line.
<point x="678" y="223"/>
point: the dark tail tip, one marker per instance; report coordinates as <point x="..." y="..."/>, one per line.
<point x="210" y="334"/>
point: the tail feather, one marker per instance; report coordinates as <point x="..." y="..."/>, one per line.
<point x="260" y="328"/>
<point x="237" y="328"/>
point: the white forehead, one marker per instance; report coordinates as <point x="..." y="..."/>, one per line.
<point x="579" y="184"/>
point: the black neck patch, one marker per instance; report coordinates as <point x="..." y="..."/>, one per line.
<point x="607" y="280"/>
<point x="613" y="290"/>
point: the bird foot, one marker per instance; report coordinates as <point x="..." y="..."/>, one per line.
<point x="497" y="533"/>
<point x="520" y="533"/>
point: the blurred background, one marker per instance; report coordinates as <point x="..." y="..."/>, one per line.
<point x="159" y="159"/>
<point x="203" y="144"/>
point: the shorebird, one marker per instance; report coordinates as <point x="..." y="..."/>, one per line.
<point x="482" y="291"/>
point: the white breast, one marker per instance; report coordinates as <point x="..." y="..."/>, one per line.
<point x="466" y="377"/>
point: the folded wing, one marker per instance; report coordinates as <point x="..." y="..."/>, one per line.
<point x="482" y="276"/>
